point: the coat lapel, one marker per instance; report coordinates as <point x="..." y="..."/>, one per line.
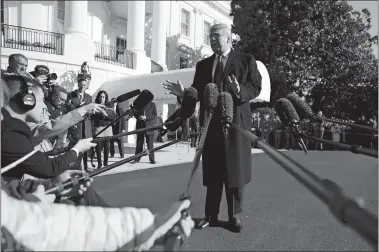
<point x="230" y="64"/>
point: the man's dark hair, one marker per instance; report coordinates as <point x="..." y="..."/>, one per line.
<point x="14" y="56"/>
<point x="36" y="69"/>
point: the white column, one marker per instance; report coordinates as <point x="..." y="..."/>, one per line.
<point x="77" y="44"/>
<point x="136" y="27"/>
<point x="76" y="17"/>
<point x="161" y="12"/>
<point x="136" y="36"/>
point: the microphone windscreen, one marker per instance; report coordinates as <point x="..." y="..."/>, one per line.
<point x="286" y="111"/>
<point x="143" y="99"/>
<point x="226" y="101"/>
<point x="211" y="95"/>
<point x="189" y="103"/>
<point x="128" y="95"/>
<point x="301" y="107"/>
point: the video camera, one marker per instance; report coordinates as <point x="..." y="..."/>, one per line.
<point x="51" y="76"/>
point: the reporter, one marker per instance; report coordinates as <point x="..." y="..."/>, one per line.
<point x="17" y="138"/>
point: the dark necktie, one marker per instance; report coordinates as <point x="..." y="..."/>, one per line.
<point x="219" y="72"/>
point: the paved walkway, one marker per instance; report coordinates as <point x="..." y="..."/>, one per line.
<point x="180" y="153"/>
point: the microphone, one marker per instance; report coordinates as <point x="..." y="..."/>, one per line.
<point x="142" y="100"/>
<point x="289" y="117"/>
<point x="185" y="111"/>
<point x="301" y="107"/>
<point x="125" y="97"/>
<point x="305" y="111"/>
<point x="226" y="101"/>
<point x="210" y="103"/>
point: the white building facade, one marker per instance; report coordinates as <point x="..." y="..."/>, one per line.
<point x="116" y="38"/>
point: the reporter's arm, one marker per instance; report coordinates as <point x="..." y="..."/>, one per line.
<point x="64" y="227"/>
<point x="56" y="126"/>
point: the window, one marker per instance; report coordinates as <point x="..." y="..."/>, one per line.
<point x="183" y="62"/>
<point x="207" y="26"/>
<point x="121" y="42"/>
<point x="185" y="22"/>
<point x="61" y="10"/>
<point x="121" y="46"/>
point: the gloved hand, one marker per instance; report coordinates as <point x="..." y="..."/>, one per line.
<point x="165" y="222"/>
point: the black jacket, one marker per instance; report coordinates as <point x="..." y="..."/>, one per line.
<point x="16" y="142"/>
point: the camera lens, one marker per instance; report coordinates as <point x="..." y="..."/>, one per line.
<point x="53" y="76"/>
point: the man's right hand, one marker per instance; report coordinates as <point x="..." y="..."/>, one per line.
<point x="84" y="144"/>
<point x="176" y="89"/>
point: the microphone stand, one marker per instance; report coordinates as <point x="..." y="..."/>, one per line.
<point x="128" y="113"/>
<point x="74" y="181"/>
<point x="353" y="148"/>
<point x="350" y="124"/>
<point x="345" y="209"/>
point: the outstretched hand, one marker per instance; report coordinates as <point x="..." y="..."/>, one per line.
<point x="176" y="89"/>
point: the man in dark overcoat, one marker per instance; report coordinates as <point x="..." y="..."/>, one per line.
<point x="84" y="128"/>
<point x="226" y="160"/>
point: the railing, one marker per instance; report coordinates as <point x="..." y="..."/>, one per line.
<point x="113" y="55"/>
<point x="22" y="38"/>
<point x="155" y="67"/>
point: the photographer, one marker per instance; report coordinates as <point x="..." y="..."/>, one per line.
<point x="55" y="103"/>
<point x="42" y="74"/>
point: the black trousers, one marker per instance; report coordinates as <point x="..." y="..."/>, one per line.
<point x="83" y="156"/>
<point x="120" y="144"/>
<point x="104" y="145"/>
<point x="234" y="197"/>
<point x="149" y="142"/>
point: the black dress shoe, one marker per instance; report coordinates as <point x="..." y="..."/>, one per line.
<point x="207" y="221"/>
<point x="111" y="156"/>
<point x="152" y="162"/>
<point x="235" y="225"/>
